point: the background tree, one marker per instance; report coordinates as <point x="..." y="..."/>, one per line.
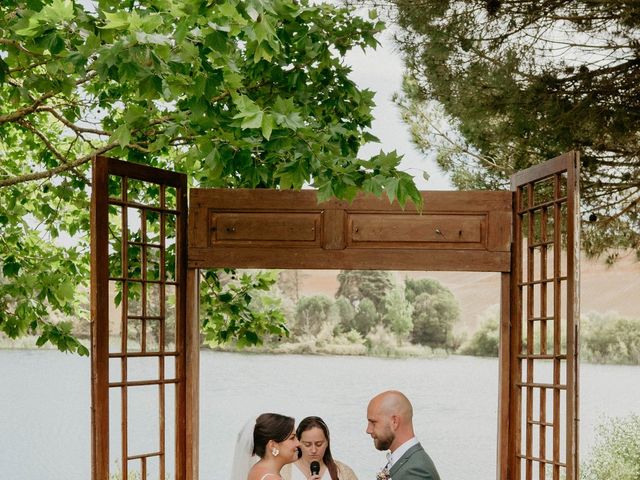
<point x="495" y="86"/>
<point x="250" y="93"/>
<point x="366" y="317"/>
<point x="346" y="314"/>
<point x="356" y="285"/>
<point x="311" y="314"/>
<point x="435" y="310"/>
<point x="289" y="284"/>
<point x="398" y="312"/>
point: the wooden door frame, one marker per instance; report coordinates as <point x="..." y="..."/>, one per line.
<point x="456" y="231"/>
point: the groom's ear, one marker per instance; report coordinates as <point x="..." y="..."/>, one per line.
<point x="395" y="421"/>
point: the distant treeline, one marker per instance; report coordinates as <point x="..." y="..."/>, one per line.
<point x="604" y="338"/>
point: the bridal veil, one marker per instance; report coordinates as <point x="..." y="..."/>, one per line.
<point x="243" y="458"/>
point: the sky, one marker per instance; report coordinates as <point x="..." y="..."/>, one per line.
<point x="381" y="71"/>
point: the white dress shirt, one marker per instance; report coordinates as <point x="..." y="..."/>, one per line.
<point x="401" y="450"/>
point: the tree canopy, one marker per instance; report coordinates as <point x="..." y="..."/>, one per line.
<point x="435" y="311"/>
<point x="495" y="86"/>
<point x="356" y="285"/>
<point x="250" y="93"/>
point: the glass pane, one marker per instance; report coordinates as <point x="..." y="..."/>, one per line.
<point x="170" y="429"/>
<point x="143" y="193"/>
<point x="170" y="318"/>
<point x="524" y="224"/>
<point x="142" y="368"/>
<point x="537" y="226"/>
<point x="153" y="467"/>
<point x="153" y="263"/>
<point x="562" y="187"/>
<point x="153" y="336"/>
<point x="543" y="372"/>
<point x="134" y="335"/>
<point x="543" y="191"/>
<point x="153" y="227"/>
<point x="115" y="432"/>
<point x="170" y="367"/>
<point x="549" y="442"/>
<point x="550" y="223"/>
<point x="114" y="187"/>
<point x="524" y="197"/>
<point x="115" y="370"/>
<point x="115" y="242"/>
<point x="134" y="299"/>
<point x="134" y="225"/>
<point x="563" y="426"/>
<point x="153" y="299"/>
<point x="115" y="316"/>
<point x="171" y="198"/>
<point x="563" y="372"/>
<point x="535" y="411"/>
<point x="134" y="261"/>
<point x="170" y="245"/>
<point x="144" y="424"/>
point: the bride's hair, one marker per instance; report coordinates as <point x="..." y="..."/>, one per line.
<point x="270" y="426"/>
<point x="316" y="422"/>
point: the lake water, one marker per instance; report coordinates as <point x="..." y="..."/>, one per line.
<point x="45" y="408"/>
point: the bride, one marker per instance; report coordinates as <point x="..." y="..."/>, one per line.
<point x="264" y="446"/>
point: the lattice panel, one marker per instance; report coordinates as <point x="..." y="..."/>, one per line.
<point x="145" y="223"/>
<point x="546" y="288"/>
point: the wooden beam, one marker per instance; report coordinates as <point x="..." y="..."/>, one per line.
<point x="458" y="231"/>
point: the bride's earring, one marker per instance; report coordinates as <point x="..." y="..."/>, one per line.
<point x="275" y="452"/>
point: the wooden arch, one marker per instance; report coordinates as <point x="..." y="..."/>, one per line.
<point x="529" y="235"/>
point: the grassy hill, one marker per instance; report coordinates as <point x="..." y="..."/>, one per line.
<point x="603" y="288"/>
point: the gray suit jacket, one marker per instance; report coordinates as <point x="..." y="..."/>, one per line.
<point x="415" y="464"/>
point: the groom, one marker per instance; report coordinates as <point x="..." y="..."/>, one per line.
<point x="390" y="424"/>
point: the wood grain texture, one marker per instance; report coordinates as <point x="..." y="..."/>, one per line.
<point x="468" y="231"/>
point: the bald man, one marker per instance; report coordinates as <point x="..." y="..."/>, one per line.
<point x="390" y="424"/>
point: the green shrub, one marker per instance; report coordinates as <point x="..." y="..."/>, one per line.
<point x="485" y="342"/>
<point x="610" y="338"/>
<point x="616" y="454"/>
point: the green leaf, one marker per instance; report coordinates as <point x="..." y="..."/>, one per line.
<point x="122" y="135"/>
<point x="4" y="70"/>
<point x="116" y="21"/>
<point x="65" y="291"/>
<point x="57" y="12"/>
<point x="11" y="267"/>
<point x="286" y="114"/>
<point x="252" y="121"/>
<point x="267" y="126"/>
<point x="391" y="188"/>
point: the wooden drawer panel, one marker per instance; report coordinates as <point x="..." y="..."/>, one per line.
<point x="452" y="230"/>
<point x="264" y="228"/>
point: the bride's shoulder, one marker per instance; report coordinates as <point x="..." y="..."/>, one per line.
<point x="256" y="474"/>
<point x="268" y="476"/>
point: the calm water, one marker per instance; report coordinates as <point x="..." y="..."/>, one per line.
<point x="45" y="416"/>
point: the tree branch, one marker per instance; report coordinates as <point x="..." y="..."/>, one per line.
<point x="59" y="169"/>
<point x="71" y="125"/>
<point x="18" y="45"/>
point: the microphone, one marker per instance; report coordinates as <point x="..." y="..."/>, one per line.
<point x="315" y="468"/>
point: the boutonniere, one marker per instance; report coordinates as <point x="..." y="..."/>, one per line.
<point x="383" y="474"/>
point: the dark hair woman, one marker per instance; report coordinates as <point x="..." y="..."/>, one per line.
<point x="315" y="446"/>
<point x="271" y="438"/>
